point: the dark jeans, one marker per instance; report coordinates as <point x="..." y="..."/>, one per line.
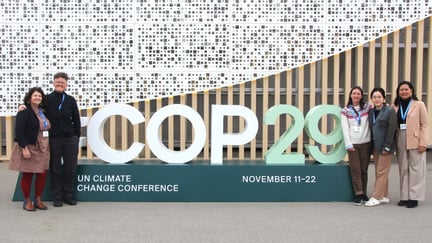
<point x="358" y="164"/>
<point x="63" y="174"/>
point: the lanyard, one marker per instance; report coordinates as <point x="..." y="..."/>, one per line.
<point x="61" y="103"/>
<point x="357" y="115"/>
<point x="45" y="122"/>
<point x="404" y="114"/>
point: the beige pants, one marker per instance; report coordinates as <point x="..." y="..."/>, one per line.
<point x="382" y="170"/>
<point x="412" y="170"/>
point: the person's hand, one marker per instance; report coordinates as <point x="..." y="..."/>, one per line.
<point x="421" y="149"/>
<point x="21" y="107"/>
<point x="351" y="149"/>
<point x="26" y="153"/>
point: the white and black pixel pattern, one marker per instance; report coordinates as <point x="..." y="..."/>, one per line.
<point x="122" y="51"/>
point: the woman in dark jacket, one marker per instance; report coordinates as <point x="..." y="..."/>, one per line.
<point x="30" y="154"/>
<point x="383" y="122"/>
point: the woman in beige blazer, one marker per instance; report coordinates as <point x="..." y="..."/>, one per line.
<point x="411" y="144"/>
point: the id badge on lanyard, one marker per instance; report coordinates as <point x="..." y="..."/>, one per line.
<point x="45" y="134"/>
<point x="404" y="114"/>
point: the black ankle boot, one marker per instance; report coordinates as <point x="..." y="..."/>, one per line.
<point x="412" y="203"/>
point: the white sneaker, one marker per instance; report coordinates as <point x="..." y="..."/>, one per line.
<point x="372" y="202"/>
<point x="384" y="200"/>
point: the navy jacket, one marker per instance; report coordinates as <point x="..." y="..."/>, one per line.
<point x="62" y="111"/>
<point x="27" y="127"/>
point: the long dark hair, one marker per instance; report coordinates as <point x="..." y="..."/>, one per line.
<point x="28" y="95"/>
<point x="398" y="98"/>
<point x="362" y="103"/>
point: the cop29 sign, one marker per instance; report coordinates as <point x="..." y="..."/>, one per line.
<point x="275" y="155"/>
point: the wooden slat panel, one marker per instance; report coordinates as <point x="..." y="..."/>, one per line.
<point x="124" y="133"/>
<point x="371" y="66"/>
<point x="407" y="53"/>
<point x="324" y="120"/>
<point x="112" y="132"/>
<point x="347" y="75"/>
<point x="183" y="125"/>
<point x="254" y="109"/>
<point x="89" y="149"/>
<point x="147" y="152"/>
<point x="336" y="77"/>
<point x="135" y="129"/>
<point x="289" y="94"/>
<point x="300" y="105"/>
<point x="194" y="97"/>
<point x="312" y="90"/>
<point x="9" y="126"/>
<point x="359" y="65"/>
<point x="230" y="120"/>
<point x="383" y="62"/>
<point x="242" y="99"/>
<point x="171" y="129"/>
<point x="419" y="59"/>
<point x="395" y="64"/>
<point x="265" y="104"/>
<point x="206" y="152"/>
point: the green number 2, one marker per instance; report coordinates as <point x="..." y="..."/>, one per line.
<point x="276" y="155"/>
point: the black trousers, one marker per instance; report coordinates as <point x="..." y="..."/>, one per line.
<point x="63" y="165"/>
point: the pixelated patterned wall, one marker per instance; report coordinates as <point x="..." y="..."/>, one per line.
<point x="122" y="51"/>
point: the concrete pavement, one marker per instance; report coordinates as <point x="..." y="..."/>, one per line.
<point x="217" y="222"/>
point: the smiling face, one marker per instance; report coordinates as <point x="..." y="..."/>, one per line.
<point x="36" y="98"/>
<point x="356" y="96"/>
<point x="405" y="92"/>
<point x="60" y="84"/>
<point x="377" y="99"/>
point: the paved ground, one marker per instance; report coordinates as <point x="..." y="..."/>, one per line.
<point x="217" y="222"/>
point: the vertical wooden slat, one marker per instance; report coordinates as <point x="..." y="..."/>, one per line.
<point x="336" y="70"/>
<point x="395" y="64"/>
<point x="347" y="75"/>
<point x="89" y="149"/>
<point x="194" y="97"/>
<point x="171" y="129"/>
<point x="9" y="127"/>
<point x="371" y="67"/>
<point x="253" y="96"/>
<point x="218" y="96"/>
<point x="324" y="120"/>
<point x="419" y="59"/>
<point x="407" y="53"/>
<point x="359" y="65"/>
<point x="312" y="90"/>
<point x="288" y="100"/>
<point x="265" y="97"/>
<point x="124" y="133"/>
<point x="383" y="62"/>
<point x="276" y="129"/>
<point x="147" y="152"/>
<point x="242" y="91"/>
<point x="112" y="132"/>
<point x="300" y="104"/>
<point x="183" y="125"/>
<point x="230" y="120"/>
<point x="135" y="129"/>
<point x="207" y="124"/>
